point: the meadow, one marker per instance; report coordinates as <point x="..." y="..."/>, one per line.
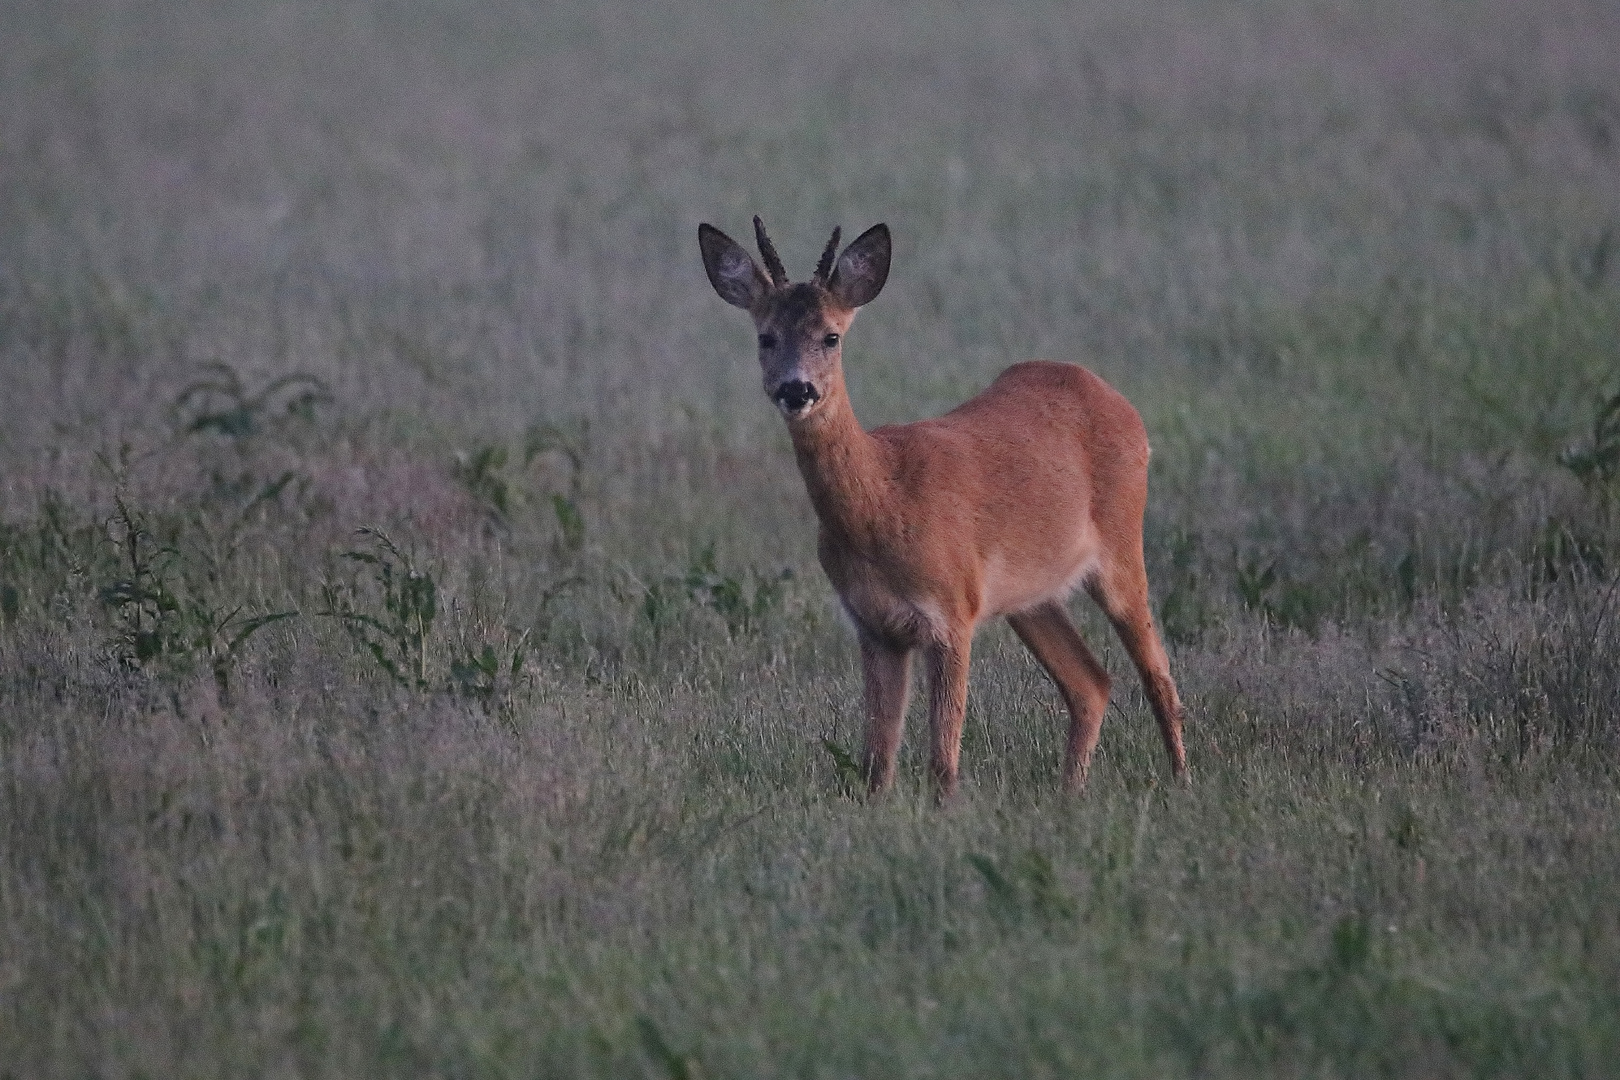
<point x="413" y="657"/>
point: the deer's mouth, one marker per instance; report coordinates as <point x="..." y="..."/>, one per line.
<point x="796" y="397"/>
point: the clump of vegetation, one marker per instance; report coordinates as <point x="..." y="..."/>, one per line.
<point x="390" y="608"/>
<point x="161" y="616"/>
<point x="741" y="602"/>
<point x="220" y="403"/>
<point x="393" y="625"/>
<point x="1596" y="461"/>
<point x="488" y="476"/>
<point x="1025" y="887"/>
<point x="168" y="580"/>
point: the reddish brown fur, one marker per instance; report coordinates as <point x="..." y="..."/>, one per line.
<point x="1002" y="507"/>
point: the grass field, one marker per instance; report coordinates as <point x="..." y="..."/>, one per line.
<point x="413" y="658"/>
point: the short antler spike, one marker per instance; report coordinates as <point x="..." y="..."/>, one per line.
<point x="824" y="268"/>
<point x="773" y="261"/>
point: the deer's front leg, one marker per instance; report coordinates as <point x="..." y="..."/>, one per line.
<point x="887" y="670"/>
<point x="947" y="708"/>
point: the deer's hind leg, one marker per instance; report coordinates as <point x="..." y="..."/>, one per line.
<point x="1051" y="635"/>
<point x="1122" y="592"/>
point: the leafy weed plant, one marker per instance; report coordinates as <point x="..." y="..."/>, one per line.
<point x="161" y="616"/>
<point x="221" y="403"/>
<point x="740" y="602"/>
<point x="390" y="615"/>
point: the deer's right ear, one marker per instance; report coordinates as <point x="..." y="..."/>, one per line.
<point x="732" y="271"/>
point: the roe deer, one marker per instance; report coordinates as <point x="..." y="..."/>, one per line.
<point x="1001" y="507"/>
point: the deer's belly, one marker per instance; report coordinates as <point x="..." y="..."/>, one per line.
<point x="1009" y="587"/>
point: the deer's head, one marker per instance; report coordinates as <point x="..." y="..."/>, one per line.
<point x="801" y="327"/>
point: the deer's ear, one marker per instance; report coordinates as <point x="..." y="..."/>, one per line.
<point x="732" y="271"/>
<point x="862" y="269"/>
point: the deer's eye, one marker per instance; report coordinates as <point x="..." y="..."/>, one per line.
<point x="831" y="341"/>
<point x="767" y="341"/>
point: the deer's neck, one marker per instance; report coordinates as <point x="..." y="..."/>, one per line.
<point x="843" y="467"/>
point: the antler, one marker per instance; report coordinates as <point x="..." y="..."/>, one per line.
<point x="773" y="261"/>
<point x="824" y="268"/>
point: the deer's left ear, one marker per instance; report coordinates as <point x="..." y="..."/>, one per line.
<point x="732" y="271"/>
<point x="862" y="268"/>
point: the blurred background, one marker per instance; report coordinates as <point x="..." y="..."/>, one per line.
<point x="1323" y="229"/>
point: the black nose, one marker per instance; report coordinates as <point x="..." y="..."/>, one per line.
<point x="796" y="396"/>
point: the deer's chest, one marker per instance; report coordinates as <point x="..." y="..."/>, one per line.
<point x="884" y="595"/>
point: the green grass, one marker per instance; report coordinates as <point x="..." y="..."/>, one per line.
<point x="413" y="659"/>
